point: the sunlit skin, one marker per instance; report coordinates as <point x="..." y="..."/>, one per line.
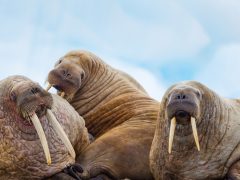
<point x="205" y="143"/>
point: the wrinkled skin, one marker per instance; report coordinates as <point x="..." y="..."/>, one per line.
<point x="21" y="153"/>
<point x="218" y="127"/>
<point x="94" y="89"/>
<point x="117" y="111"/>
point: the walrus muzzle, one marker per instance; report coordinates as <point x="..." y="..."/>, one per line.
<point x="182" y="109"/>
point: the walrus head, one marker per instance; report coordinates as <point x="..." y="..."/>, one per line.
<point x="25" y="113"/>
<point x="191" y="117"/>
<point x="184" y="110"/>
<point x="70" y="72"/>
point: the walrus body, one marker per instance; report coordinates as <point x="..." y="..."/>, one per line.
<point x="117" y="112"/>
<point x="21" y="153"/>
<point x="124" y="150"/>
<point x="198" y="116"/>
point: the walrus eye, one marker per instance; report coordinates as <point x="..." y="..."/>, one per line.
<point x="60" y="61"/>
<point x="13" y="96"/>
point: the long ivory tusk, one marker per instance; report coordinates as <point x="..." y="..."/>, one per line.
<point x="195" y="134"/>
<point x="59" y="130"/>
<point x="171" y="134"/>
<point x="48" y="87"/>
<point x="62" y="94"/>
<point x="42" y="137"/>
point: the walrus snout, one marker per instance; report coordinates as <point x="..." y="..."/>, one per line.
<point x="65" y="78"/>
<point x="183" y="102"/>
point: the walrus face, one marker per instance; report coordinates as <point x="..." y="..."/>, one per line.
<point x="67" y="76"/>
<point x="25" y="110"/>
<point x="183" y="110"/>
<point x="192" y="116"/>
<point x="30" y="99"/>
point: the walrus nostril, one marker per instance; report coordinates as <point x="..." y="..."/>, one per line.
<point x="64" y="72"/>
<point x="35" y="90"/>
<point x="180" y="96"/>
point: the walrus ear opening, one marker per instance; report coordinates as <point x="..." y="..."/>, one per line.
<point x="13" y="96"/>
<point x="199" y="94"/>
<point x="82" y="75"/>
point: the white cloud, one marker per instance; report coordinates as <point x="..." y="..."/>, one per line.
<point x="219" y="17"/>
<point x="134" y="32"/>
<point x="222" y="72"/>
<point x="173" y="33"/>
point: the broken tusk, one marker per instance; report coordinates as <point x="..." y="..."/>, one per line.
<point x="60" y="132"/>
<point x="62" y="94"/>
<point x="195" y="134"/>
<point x="42" y="137"/>
<point x="48" y="87"/>
<point x="171" y="134"/>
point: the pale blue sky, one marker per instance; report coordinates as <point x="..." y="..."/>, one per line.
<point x="158" y="42"/>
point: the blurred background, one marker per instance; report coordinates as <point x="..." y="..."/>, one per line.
<point x="158" y="42"/>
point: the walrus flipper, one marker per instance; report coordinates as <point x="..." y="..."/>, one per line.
<point x="76" y="172"/>
<point x="234" y="172"/>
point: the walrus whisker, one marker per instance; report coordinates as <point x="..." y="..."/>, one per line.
<point x="171" y="134"/>
<point x="60" y="132"/>
<point x="42" y="137"/>
<point x="195" y="134"/>
<point x="48" y="87"/>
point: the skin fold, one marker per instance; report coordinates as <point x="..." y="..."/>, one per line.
<point x="117" y="111"/>
<point x="21" y="152"/>
<point x="218" y="128"/>
<point x="94" y="89"/>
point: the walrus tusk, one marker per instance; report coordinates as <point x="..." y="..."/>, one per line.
<point x="59" y="130"/>
<point x="195" y="134"/>
<point x="171" y="134"/>
<point x="48" y="87"/>
<point x="62" y="94"/>
<point x="42" y="137"/>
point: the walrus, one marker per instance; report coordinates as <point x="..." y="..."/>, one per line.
<point x="117" y="111"/>
<point x="40" y="133"/>
<point x="96" y="90"/>
<point x="197" y="135"/>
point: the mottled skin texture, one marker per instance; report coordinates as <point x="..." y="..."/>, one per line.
<point x="218" y="124"/>
<point x="117" y="111"/>
<point x="21" y="153"/>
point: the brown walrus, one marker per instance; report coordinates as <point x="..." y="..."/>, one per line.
<point x="97" y="91"/>
<point x="33" y="143"/>
<point x="207" y="135"/>
<point x="113" y="106"/>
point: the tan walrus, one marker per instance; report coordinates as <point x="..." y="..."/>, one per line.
<point x="197" y="135"/>
<point x="39" y="133"/>
<point x="112" y="106"/>
<point x="97" y="91"/>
